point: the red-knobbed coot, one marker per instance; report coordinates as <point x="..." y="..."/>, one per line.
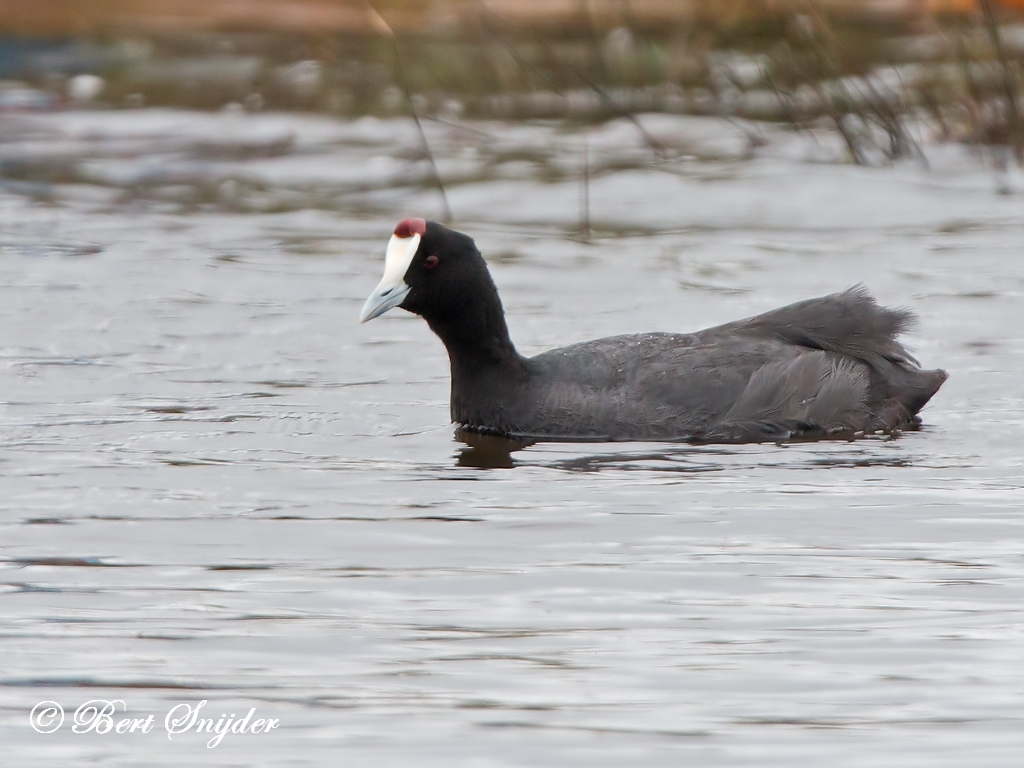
<point x="824" y="367"/>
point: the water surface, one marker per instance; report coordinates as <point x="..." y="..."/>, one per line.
<point x="215" y="484"/>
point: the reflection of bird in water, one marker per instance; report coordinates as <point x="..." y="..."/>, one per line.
<point x="488" y="451"/>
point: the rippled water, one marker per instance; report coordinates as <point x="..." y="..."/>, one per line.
<point x="215" y="485"/>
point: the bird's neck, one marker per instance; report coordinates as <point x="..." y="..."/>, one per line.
<point x="486" y="368"/>
<point x="476" y="336"/>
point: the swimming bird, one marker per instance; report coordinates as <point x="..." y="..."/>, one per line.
<point x="825" y="367"/>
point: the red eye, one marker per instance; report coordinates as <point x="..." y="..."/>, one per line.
<point x="431" y="261"/>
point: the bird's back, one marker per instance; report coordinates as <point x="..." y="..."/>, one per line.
<point x="831" y="365"/>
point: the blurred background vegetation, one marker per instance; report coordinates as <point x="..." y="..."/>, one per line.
<point x="860" y="67"/>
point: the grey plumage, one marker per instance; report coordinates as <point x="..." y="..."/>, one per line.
<point x="831" y="366"/>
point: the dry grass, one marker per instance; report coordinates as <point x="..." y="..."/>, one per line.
<point x="807" y="62"/>
<point x="101" y="17"/>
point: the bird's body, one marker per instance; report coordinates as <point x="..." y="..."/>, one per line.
<point x="830" y="366"/>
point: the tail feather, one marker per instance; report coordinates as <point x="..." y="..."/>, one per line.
<point x="903" y="394"/>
